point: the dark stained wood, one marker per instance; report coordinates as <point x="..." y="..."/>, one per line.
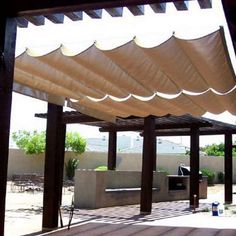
<point x="136" y="10"/>
<point x="36" y="20"/>
<point x="149" y="153"/>
<point x="95" y="14"/>
<point x="205" y="4"/>
<point x="115" y="12"/>
<point x="187" y="132"/>
<point x="112" y="144"/>
<point x="168" y="124"/>
<point x="181" y="5"/>
<point x="228" y="168"/>
<point x="53" y="169"/>
<point x="229" y="7"/>
<point x="81" y="119"/>
<point x="55" y="18"/>
<point x="22" y="22"/>
<point x="194" y="167"/>
<point x="7" y="59"/>
<point x="158" y="7"/>
<point x="140" y="127"/>
<point x="28" y="7"/>
<point x="154" y="165"/>
<point x="75" y="16"/>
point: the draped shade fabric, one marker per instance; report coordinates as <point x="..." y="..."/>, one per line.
<point x="177" y="77"/>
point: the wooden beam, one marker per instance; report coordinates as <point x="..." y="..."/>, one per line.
<point x="53" y="169"/>
<point x="158" y="7"/>
<point x="136" y="10"/>
<point x="81" y="119"/>
<point x="112" y="144"/>
<point x="75" y="16"/>
<point x="228" y="165"/>
<point x="229" y="7"/>
<point x="205" y="4"/>
<point x="149" y="153"/>
<point x="157" y="127"/>
<point x="95" y="14"/>
<point x="28" y="7"/>
<point x="115" y="12"/>
<point x="55" y="18"/>
<point x="194" y="167"/>
<point x="36" y="20"/>
<point x="187" y="133"/>
<point x="7" y="59"/>
<point x="181" y="5"/>
<point x="22" y="22"/>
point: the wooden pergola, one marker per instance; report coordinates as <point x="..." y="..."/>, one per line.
<point x="168" y="125"/>
<point x="19" y="13"/>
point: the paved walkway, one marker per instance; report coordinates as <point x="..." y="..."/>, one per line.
<point x="98" y="229"/>
<point x="24" y="217"/>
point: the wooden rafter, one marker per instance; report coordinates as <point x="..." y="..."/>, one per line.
<point x="181" y="5"/>
<point x="158" y="7"/>
<point x="75" y="16"/>
<point x="115" y="12"/>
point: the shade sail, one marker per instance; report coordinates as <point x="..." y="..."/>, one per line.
<point x="177" y="77"/>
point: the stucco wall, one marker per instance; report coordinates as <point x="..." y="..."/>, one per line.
<point x="21" y="163"/>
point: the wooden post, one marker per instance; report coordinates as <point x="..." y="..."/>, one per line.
<point x="228" y="168"/>
<point x="54" y="163"/>
<point x="194" y="168"/>
<point x="7" y="59"/>
<point x="112" y="143"/>
<point x="149" y="152"/>
<point x="154" y="167"/>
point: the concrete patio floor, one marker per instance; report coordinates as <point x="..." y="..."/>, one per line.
<point x="24" y="217"/>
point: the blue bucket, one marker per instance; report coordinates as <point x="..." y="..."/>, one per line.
<point x="215" y="208"/>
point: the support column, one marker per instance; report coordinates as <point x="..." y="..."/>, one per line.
<point x="155" y="157"/>
<point x="194" y="167"/>
<point x="112" y="144"/>
<point x="228" y="168"/>
<point x="54" y="164"/>
<point x="149" y="153"/>
<point x="7" y="60"/>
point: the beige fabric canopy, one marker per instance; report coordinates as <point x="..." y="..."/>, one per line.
<point x="179" y="76"/>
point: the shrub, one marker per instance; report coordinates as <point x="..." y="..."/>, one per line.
<point x="101" y="168"/>
<point x="74" y="142"/>
<point x="30" y="142"/>
<point x="221" y="177"/>
<point x="71" y="166"/>
<point x="210" y="175"/>
<point x="34" y="142"/>
<point x="162" y="169"/>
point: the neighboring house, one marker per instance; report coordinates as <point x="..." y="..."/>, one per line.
<point x="128" y="144"/>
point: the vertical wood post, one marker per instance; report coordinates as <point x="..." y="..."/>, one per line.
<point x="194" y="167"/>
<point x="112" y="145"/>
<point x="54" y="163"/>
<point x="154" y="167"/>
<point x="228" y="168"/>
<point x="149" y="153"/>
<point x="7" y="60"/>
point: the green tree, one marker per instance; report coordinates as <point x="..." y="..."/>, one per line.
<point x="216" y="150"/>
<point x="30" y="142"/>
<point x="74" y="142"/>
<point x="34" y="142"/>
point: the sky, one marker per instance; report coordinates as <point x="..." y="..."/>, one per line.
<point x="107" y="32"/>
